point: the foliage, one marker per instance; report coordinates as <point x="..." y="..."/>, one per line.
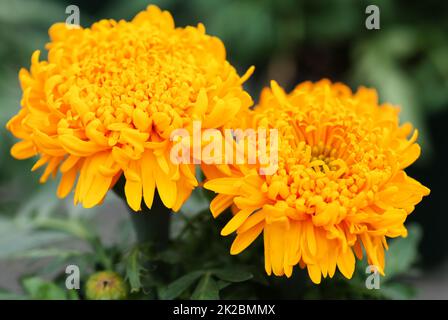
<point x="195" y="265"/>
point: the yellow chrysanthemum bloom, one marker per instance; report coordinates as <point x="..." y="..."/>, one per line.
<point x="340" y="183"/>
<point x="107" y="98"/>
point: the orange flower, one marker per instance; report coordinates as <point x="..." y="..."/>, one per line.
<point x="340" y="183"/>
<point x="107" y="98"/>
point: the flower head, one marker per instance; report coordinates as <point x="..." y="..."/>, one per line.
<point x="340" y="185"/>
<point x="105" y="101"/>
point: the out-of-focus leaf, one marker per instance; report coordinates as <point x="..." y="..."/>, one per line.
<point x="378" y="69"/>
<point x="259" y="276"/>
<point x="41" y="204"/>
<point x="134" y="268"/>
<point x="232" y="275"/>
<point x="74" y="227"/>
<point x="344" y="17"/>
<point x="398" y="42"/>
<point x="432" y="87"/>
<point x="41" y="289"/>
<point x="169" y="256"/>
<point x="176" y="288"/>
<point x="438" y="56"/>
<point x="16" y="238"/>
<point x="222" y="284"/>
<point x="47" y="253"/>
<point x="125" y="234"/>
<point x="207" y="289"/>
<point x="37" y="11"/>
<point x="397" y="291"/>
<point x="7" y="295"/>
<point x="72" y="295"/>
<point x="252" y="30"/>
<point x="403" y="253"/>
<point x="10" y="89"/>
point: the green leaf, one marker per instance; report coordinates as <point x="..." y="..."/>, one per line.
<point x="177" y="287"/>
<point x="74" y="227"/>
<point x="169" y="256"/>
<point x="207" y="289"/>
<point x="7" y="295"/>
<point x="222" y="284"/>
<point x="134" y="269"/>
<point x="47" y="253"/>
<point x="31" y="12"/>
<point x="403" y="253"/>
<point x="16" y="237"/>
<point x="72" y="295"/>
<point x="41" y="289"/>
<point x="232" y="275"/>
<point x="377" y="65"/>
<point x="397" y="291"/>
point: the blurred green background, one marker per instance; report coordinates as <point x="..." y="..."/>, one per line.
<point x="287" y="40"/>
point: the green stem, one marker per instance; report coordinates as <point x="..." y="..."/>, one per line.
<point x="150" y="225"/>
<point x="103" y="258"/>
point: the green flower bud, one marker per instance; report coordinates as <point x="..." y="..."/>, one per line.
<point x="106" y="285"/>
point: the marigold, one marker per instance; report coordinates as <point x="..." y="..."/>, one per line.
<point x="108" y="97"/>
<point x="340" y="183"/>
